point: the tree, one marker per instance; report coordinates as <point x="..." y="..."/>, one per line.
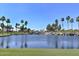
<point x="28" y="30"/>
<point x="77" y="20"/>
<point x="3" y="19"/>
<point x="16" y="26"/>
<point x="62" y="20"/>
<point x="49" y="28"/>
<point x="56" y="22"/>
<point x="22" y="25"/>
<point x="26" y="23"/>
<point x="22" y="28"/>
<point x="22" y="22"/>
<point x="8" y="23"/>
<point x="54" y="27"/>
<point x="68" y="20"/>
<point x="2" y="26"/>
<point x="71" y="21"/>
<point x="59" y="27"/>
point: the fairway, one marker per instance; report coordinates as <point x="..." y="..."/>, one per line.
<point x="39" y="52"/>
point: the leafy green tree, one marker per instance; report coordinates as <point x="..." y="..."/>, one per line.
<point x="68" y="20"/>
<point x="22" y="28"/>
<point x="54" y="27"/>
<point x="49" y="28"/>
<point x="77" y="20"/>
<point x="59" y="27"/>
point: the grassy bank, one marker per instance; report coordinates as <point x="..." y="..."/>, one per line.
<point x="39" y="52"/>
<point x="11" y="33"/>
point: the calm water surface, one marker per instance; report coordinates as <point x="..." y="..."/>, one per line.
<point x="39" y="41"/>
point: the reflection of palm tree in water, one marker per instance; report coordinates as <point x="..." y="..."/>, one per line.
<point x="2" y="42"/>
<point x="22" y="38"/>
<point x="49" y="39"/>
<point x="56" y="41"/>
<point x="62" y="40"/>
<point x="52" y="39"/>
<point x="8" y="40"/>
<point x="78" y="42"/>
<point x="16" y="39"/>
<point x="25" y="41"/>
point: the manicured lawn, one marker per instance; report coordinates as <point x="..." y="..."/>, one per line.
<point x="39" y="52"/>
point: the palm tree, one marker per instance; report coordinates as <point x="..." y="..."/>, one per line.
<point x="0" y="22"/>
<point x="68" y="20"/>
<point x="77" y="20"/>
<point x="22" y="25"/>
<point x="3" y="19"/>
<point x="71" y="21"/>
<point x="59" y="27"/>
<point x="16" y="26"/>
<point x="62" y="20"/>
<point x="26" y="23"/>
<point x="22" y="22"/>
<point x="56" y="22"/>
<point x="8" y="22"/>
<point x="2" y="26"/>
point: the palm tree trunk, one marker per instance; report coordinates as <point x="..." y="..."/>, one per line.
<point x="68" y="24"/>
<point x="62" y="25"/>
<point x="78" y="25"/>
<point x="72" y="26"/>
<point x="7" y="27"/>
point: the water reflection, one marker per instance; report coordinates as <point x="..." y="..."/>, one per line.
<point x="39" y="41"/>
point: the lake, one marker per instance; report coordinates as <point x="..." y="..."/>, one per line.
<point x="39" y="41"/>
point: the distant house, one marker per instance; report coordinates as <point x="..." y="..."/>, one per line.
<point x="36" y="32"/>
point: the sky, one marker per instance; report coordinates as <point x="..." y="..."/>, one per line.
<point x="39" y="15"/>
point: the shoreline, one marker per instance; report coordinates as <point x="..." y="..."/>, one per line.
<point x="59" y="34"/>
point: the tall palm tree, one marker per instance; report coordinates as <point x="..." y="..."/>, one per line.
<point x="3" y="19"/>
<point x="56" y="22"/>
<point x="22" y="22"/>
<point x="71" y="21"/>
<point x="16" y="26"/>
<point x="77" y="20"/>
<point x="2" y="26"/>
<point x="68" y="20"/>
<point x="22" y="25"/>
<point x="8" y="23"/>
<point x="0" y="22"/>
<point x="26" y="23"/>
<point x="62" y="20"/>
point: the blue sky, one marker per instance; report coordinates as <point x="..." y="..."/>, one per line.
<point x="39" y="15"/>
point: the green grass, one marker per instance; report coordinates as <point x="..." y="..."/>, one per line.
<point x="39" y="52"/>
